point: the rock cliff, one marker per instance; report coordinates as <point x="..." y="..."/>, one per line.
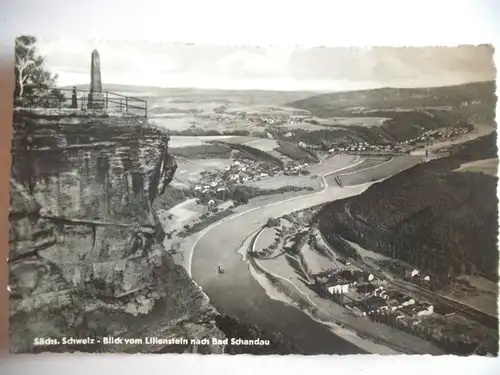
<point x="85" y="244"/>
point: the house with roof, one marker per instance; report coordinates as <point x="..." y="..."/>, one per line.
<point x="425" y="309"/>
<point x="332" y="282"/>
<point x="363" y="276"/>
<point x="347" y="275"/>
<point x="381" y="292"/>
<point x="407" y="310"/>
<point x="339" y="288"/>
<point x="411" y="273"/>
<point x="418" y="309"/>
<point x="375" y="305"/>
<point x="366" y="289"/>
<point x="407" y="301"/>
<point x="343" y="281"/>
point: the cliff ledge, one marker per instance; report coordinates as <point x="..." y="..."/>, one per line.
<point x="85" y="244"/>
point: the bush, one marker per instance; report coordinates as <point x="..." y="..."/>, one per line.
<point x="272" y="222"/>
<point x="240" y="196"/>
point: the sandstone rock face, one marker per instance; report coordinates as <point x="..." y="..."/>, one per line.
<point x="85" y="255"/>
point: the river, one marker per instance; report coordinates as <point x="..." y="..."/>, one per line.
<point x="238" y="294"/>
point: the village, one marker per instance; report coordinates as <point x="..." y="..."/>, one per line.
<point x="425" y="138"/>
<point x="364" y="291"/>
<point x="375" y="298"/>
<point x="349" y="283"/>
<point x="217" y="184"/>
<point x="365" y="295"/>
<point x="285" y="123"/>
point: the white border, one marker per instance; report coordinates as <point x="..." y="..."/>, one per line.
<point x="257" y="22"/>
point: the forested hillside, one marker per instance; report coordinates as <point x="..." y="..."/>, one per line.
<point x="431" y="216"/>
<point x="471" y="101"/>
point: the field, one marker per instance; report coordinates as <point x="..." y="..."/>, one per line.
<point x="316" y="262"/>
<point x="382" y="170"/>
<point x="242" y="144"/>
<point x="189" y="171"/>
<point x="266" y="239"/>
<point x="334" y="163"/>
<point x="487" y="166"/>
<point x="185" y="109"/>
<point x="365" y="164"/>
<point x="217" y="151"/>
<point x="265" y="110"/>
<point x="303" y="125"/>
<point x="351" y="121"/>
<point x="483" y="298"/>
<point x="177" y="141"/>
<point x="182" y="121"/>
<point x="185" y="211"/>
<point x="239" y="140"/>
<point x="263" y="144"/>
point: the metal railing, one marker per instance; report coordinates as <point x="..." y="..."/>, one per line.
<point x="86" y="99"/>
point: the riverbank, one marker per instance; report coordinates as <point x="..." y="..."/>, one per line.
<point x="281" y="289"/>
<point x="281" y="283"/>
<point x="239" y="291"/>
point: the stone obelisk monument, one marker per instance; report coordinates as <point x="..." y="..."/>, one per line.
<point x="96" y="96"/>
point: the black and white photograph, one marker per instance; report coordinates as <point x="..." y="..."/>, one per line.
<point x="241" y="199"/>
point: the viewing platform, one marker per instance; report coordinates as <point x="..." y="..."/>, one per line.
<point x="73" y="100"/>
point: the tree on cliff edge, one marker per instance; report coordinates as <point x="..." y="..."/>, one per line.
<point x="32" y="78"/>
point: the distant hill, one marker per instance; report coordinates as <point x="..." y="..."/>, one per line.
<point x="187" y="94"/>
<point x="118" y="88"/>
<point x="430" y="216"/>
<point x="411" y="111"/>
<point x="472" y="96"/>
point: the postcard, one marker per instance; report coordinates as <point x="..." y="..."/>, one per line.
<point x="189" y="198"/>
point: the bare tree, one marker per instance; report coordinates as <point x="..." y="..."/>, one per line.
<point x="26" y="60"/>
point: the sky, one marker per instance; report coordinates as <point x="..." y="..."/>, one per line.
<point x="70" y="30"/>
<point x="269" y="68"/>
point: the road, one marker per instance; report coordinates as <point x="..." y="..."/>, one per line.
<point x="480" y="130"/>
<point x="461" y="309"/>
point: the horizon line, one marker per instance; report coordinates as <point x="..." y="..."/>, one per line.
<point x="277" y="90"/>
